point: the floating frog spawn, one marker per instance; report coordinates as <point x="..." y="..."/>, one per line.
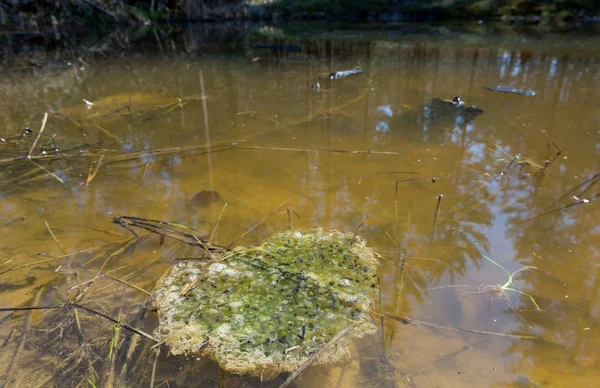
<point x="266" y="309"/>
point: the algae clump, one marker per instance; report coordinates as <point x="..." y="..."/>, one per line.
<point x="266" y="309"/>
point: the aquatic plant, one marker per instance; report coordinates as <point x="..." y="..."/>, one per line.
<point x="499" y="290"/>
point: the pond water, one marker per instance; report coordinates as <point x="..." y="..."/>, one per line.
<point x="454" y="205"/>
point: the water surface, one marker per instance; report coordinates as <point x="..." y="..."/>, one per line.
<point x="442" y="194"/>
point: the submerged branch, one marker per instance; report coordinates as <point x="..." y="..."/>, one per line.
<point x="86" y="310"/>
<point x="406" y="321"/>
<point x="316" y="355"/>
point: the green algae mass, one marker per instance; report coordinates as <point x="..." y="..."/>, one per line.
<point x="264" y="310"/>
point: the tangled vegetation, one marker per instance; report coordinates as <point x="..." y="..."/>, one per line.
<point x="50" y="14"/>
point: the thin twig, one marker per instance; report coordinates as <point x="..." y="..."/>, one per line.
<point x="70" y="120"/>
<point x="593" y="180"/>
<point x="25" y="266"/>
<point x="48" y="172"/>
<point x="38" y="136"/>
<point x="255" y="225"/>
<point x="86" y="310"/>
<point x="433" y="179"/>
<point x="356" y="232"/>
<point x="582" y="201"/>
<point x="370" y="152"/>
<point x="212" y="233"/>
<point x="316" y="355"/>
<point x="94" y="167"/>
<point x="458" y="329"/>
<point x="154" y="367"/>
<point x="54" y="238"/>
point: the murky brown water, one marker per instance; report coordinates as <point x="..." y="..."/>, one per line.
<point x="285" y="131"/>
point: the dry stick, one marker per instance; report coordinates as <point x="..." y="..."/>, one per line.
<point x="580" y="202"/>
<point x="93" y="170"/>
<point x="396" y="172"/>
<point x="6" y="262"/>
<point x="78" y="125"/>
<point x="451" y="268"/>
<point x="316" y="355"/>
<point x="54" y="238"/>
<point x="45" y="261"/>
<point x="431" y="178"/>
<point x="551" y="142"/>
<point x="86" y="310"/>
<point x="158" y="228"/>
<point x="457" y="329"/>
<point x="25" y="266"/>
<point x="38" y="136"/>
<point x="154" y="367"/>
<point x="124" y="282"/>
<point x="48" y="172"/>
<point x="145" y="171"/>
<point x="248" y="112"/>
<point x="381" y="307"/>
<point x="287" y="209"/>
<point x="212" y="233"/>
<point x="316" y="150"/>
<point x="171" y="150"/>
<point x="255" y="225"/>
<point x="122" y="249"/>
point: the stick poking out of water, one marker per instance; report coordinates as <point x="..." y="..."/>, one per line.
<point x="38" y="136"/>
<point x="435" y="217"/>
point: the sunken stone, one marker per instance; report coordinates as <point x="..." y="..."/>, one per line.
<point x="266" y="309"/>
